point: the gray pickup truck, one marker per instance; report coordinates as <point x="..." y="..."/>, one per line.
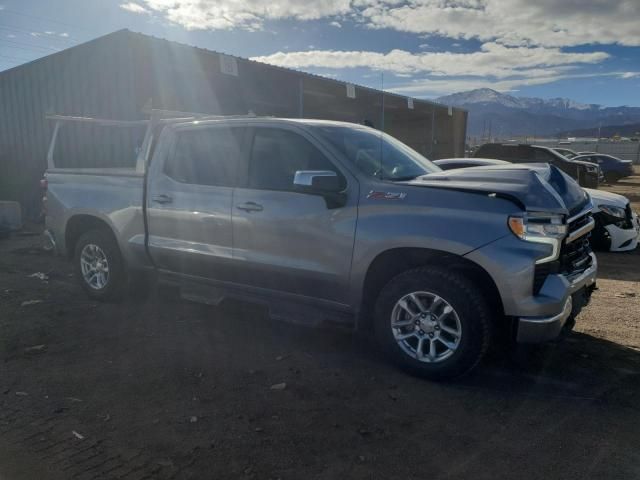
<point x="337" y="222"/>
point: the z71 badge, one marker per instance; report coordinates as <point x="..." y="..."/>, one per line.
<point x="374" y="195"/>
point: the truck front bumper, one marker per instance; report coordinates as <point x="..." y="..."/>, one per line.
<point x="542" y="329"/>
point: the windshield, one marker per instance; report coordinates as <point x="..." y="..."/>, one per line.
<point x="377" y="154"/>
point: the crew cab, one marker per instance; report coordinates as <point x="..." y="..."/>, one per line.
<point x="587" y="174"/>
<point x="326" y="221"/>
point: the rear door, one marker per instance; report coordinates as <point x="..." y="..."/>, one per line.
<point x="285" y="240"/>
<point x="189" y="200"/>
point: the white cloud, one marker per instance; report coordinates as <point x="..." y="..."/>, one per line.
<point x="336" y="24"/>
<point x="64" y="34"/>
<point x="509" y="22"/>
<point x="494" y="66"/>
<point x="133" y="7"/>
<point x="492" y="60"/>
<point x="244" y="14"/>
<point x="513" y="22"/>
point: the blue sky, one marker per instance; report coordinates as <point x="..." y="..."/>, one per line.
<point x="586" y="50"/>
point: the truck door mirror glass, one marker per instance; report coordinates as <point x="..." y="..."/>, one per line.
<point x="324" y="183"/>
<point x="319" y="181"/>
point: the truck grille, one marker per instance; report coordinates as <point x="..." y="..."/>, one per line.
<point x="574" y="256"/>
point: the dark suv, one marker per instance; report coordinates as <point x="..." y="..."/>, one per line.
<point x="584" y="172"/>
<point x="612" y="168"/>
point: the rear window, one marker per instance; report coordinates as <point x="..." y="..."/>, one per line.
<point x="511" y="153"/>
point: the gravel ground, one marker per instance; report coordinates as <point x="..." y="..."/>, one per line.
<point x="159" y="388"/>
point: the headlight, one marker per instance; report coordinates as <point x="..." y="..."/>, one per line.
<point x="532" y="226"/>
<point x="613" y="211"/>
<point x="540" y="228"/>
<point x="592" y="168"/>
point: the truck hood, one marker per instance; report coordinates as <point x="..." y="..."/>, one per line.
<point x="534" y="187"/>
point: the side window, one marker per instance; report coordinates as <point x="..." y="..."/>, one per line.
<point x="277" y="155"/>
<point x="207" y="156"/>
<point x="543" y="156"/>
<point x="515" y="154"/>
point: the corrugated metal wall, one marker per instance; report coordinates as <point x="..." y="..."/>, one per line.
<point x="116" y="75"/>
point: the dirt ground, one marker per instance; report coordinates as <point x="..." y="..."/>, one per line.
<point x="159" y="388"/>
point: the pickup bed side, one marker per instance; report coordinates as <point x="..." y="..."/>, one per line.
<point x="78" y="201"/>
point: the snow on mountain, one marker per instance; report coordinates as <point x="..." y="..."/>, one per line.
<point x="487" y="95"/>
<point x="508" y="115"/>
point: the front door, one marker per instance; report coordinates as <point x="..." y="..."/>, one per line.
<point x="189" y="201"/>
<point x="285" y="240"/>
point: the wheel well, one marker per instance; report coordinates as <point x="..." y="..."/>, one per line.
<point x="79" y="224"/>
<point x="393" y="262"/>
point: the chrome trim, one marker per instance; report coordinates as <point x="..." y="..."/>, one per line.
<point x="555" y="245"/>
<point x="585" y="211"/>
<point x="586" y="277"/>
<point x="581" y="231"/>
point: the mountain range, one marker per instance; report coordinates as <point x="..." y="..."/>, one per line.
<point x="503" y="116"/>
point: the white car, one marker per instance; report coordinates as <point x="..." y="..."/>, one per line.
<point x="617" y="225"/>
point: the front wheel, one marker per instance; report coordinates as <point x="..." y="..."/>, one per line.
<point x="432" y="322"/>
<point x="611" y="177"/>
<point x="98" y="265"/>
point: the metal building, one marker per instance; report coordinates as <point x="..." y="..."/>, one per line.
<point x="117" y="75"/>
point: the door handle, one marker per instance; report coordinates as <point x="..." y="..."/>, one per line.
<point x="250" y="207"/>
<point x="162" y="199"/>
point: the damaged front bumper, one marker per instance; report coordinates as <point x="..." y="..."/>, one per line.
<point x="545" y="328"/>
<point x="614" y="234"/>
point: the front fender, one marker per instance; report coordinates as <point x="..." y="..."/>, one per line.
<point x="446" y="221"/>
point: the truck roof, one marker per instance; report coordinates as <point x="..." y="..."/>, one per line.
<point x="244" y="118"/>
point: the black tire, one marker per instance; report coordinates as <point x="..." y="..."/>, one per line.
<point x="611" y="177"/>
<point x="462" y="295"/>
<point x="116" y="282"/>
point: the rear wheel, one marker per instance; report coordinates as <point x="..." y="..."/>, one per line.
<point x="98" y="265"/>
<point x="432" y="322"/>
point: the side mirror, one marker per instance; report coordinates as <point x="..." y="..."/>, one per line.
<point x="317" y="181"/>
<point x="324" y="183"/>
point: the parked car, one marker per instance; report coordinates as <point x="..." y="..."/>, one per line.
<point x="324" y="220"/>
<point x="612" y="168"/>
<point x="565" y="152"/>
<point x="617" y="227"/>
<point x="587" y="174"/>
